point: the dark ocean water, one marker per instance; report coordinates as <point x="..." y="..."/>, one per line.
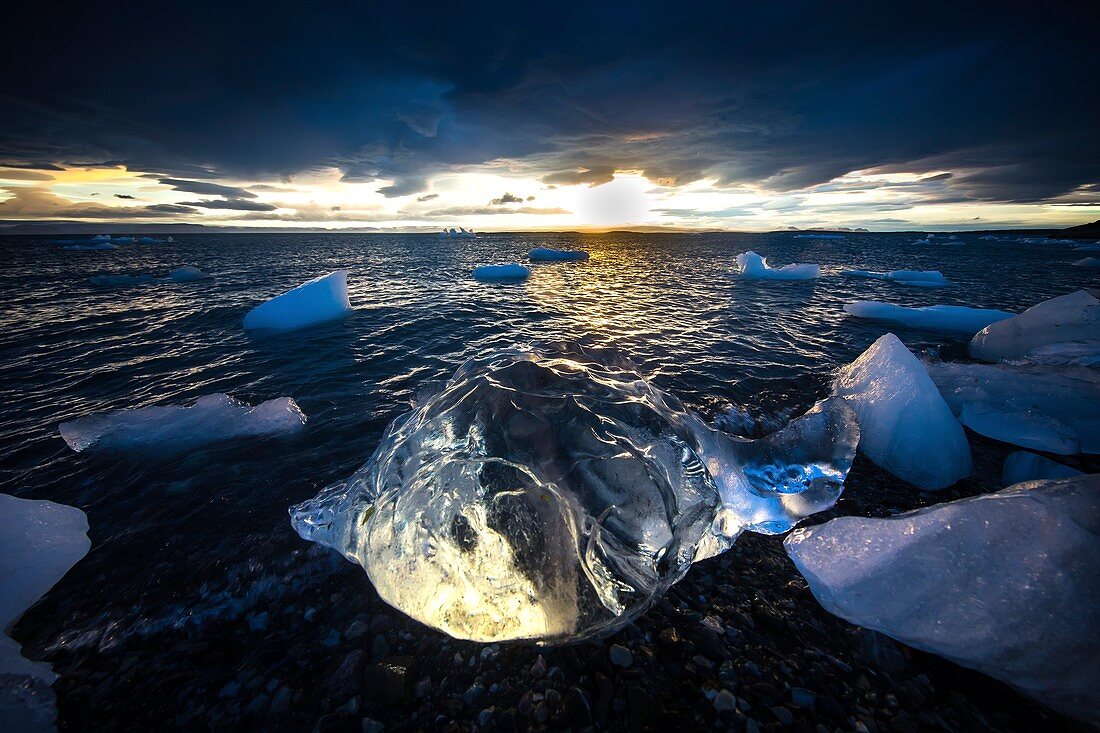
<point x="179" y="541"/>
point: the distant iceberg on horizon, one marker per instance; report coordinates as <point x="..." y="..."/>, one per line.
<point x="460" y="233"/>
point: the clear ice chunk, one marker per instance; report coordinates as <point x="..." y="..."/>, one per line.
<point x="553" y="494"/>
<point x="175" y="428"/>
<point x="1004" y="583"/>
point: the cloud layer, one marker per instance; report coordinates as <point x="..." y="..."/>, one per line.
<point x="779" y="96"/>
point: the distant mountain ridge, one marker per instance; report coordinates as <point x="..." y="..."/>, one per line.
<point x="1081" y="231"/>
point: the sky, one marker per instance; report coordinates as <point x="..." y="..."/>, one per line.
<point x="537" y="116"/>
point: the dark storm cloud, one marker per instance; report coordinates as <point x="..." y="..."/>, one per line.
<point x="123" y="196"/>
<point x="781" y="95"/>
<point x="204" y="187"/>
<point x="507" y="198"/>
<point x="233" y="204"/>
<point x="170" y="209"/>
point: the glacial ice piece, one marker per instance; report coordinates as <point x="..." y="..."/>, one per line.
<point x="151" y="240"/>
<point x="175" y="428"/>
<point x="96" y="247"/>
<point x="1050" y="409"/>
<point x="121" y="280"/>
<point x="1004" y="583"/>
<point x="39" y="542"/>
<point x="1024" y="466"/>
<point x="814" y="235"/>
<point x="1071" y="317"/>
<point x="902" y="418"/>
<point x="460" y="233"/>
<point x="545" y="254"/>
<point x="755" y="267"/>
<point x="321" y="299"/>
<point x="554" y="494"/>
<point x="501" y="273"/>
<point x="1065" y="353"/>
<point x="1087" y="262"/>
<point x="919" y="278"/>
<point x="123" y="240"/>
<point x="953" y="319"/>
<point x="188" y="274"/>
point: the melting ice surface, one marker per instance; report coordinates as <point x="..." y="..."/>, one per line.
<point x="1004" y="583"/>
<point x="319" y="300"/>
<point x="954" y="319"/>
<point x="511" y="271"/>
<point x="554" y="494"/>
<point x="545" y="254"/>
<point x="175" y="428"/>
<point x="1071" y="320"/>
<point x="39" y="542"/>
<point x="1050" y="409"/>
<point x="902" y="417"/>
<point x="919" y="278"/>
<point x="753" y="266"/>
<point x="1023" y="466"/>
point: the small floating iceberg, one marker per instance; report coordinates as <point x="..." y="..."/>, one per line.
<point x="188" y="274"/>
<point x="812" y="235"/>
<point x="1024" y="466"/>
<point x="903" y="420"/>
<point x="919" y="278"/>
<point x="502" y="273"/>
<point x="1056" y="410"/>
<point x="321" y="299"/>
<point x="1087" y="262"/>
<point x="555" y="495"/>
<point x="151" y="240"/>
<point x="185" y="274"/>
<point x="116" y="281"/>
<point x="545" y="254"/>
<point x="1072" y="317"/>
<point x="460" y="233"/>
<point x="39" y="542"/>
<point x="96" y="247"/>
<point x="164" y="430"/>
<point x="755" y="267"/>
<point x="953" y="319"/>
<point x="1004" y="583"/>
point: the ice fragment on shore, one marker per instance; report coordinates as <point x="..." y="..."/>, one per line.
<point x="1004" y="583"/>
<point x="555" y="494"/>
<point x="902" y="417"/>
<point x="39" y="542"/>
<point x="1024" y="466"/>
<point x="1071" y="317"/>
<point x="1051" y="409"/>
